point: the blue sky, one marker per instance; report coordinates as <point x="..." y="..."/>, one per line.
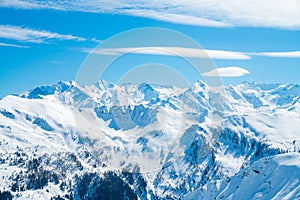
<point x="45" y="42"/>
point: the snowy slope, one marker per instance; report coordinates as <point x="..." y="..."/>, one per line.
<point x="156" y="142"/>
<point x="275" y="177"/>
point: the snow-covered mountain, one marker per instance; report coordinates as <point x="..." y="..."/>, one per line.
<point x="106" y="141"/>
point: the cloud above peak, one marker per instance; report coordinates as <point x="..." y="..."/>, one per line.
<point x="227" y="72"/>
<point x="172" y="51"/>
<point x="191" y="52"/>
<point x="215" y="13"/>
<point x="286" y="54"/>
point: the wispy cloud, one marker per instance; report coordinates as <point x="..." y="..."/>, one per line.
<point x="216" y="13"/>
<point x="231" y="55"/>
<point x="56" y="62"/>
<point x="286" y="54"/>
<point x="19" y="4"/>
<point x="177" y="18"/>
<point x="12" y="45"/>
<point x="172" y="51"/>
<point x="226" y="72"/>
<point x="96" y="40"/>
<point x="191" y="52"/>
<point x="33" y="36"/>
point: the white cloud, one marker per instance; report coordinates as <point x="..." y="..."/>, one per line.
<point x="226" y="72"/>
<point x="287" y="54"/>
<point x="12" y="45"/>
<point x="177" y="18"/>
<point x="233" y="55"/>
<point x="96" y="40"/>
<point x="173" y="51"/>
<point x="191" y="52"/>
<point x="34" y="36"/>
<point x="216" y="13"/>
<point x="19" y="4"/>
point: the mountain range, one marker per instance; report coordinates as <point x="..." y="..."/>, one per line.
<point x="108" y="141"/>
